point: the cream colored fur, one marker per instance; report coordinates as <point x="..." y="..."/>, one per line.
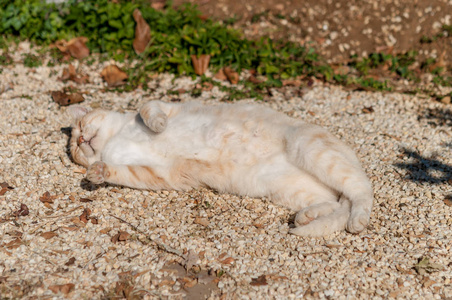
<point x="234" y="148"/>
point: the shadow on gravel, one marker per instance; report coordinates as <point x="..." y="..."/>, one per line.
<point x="424" y="169"/>
<point x="437" y="116"/>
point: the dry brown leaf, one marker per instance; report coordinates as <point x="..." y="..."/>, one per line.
<point x="84" y="200"/>
<point x="63" y="288"/>
<point x="105" y="230"/>
<point x="64" y="99"/>
<point x="23" y="211"/>
<point x="113" y="75"/>
<point x="48" y="235"/>
<point x="4" y="188"/>
<point x="84" y="217"/>
<point x="232" y="75"/>
<point x="70" y="73"/>
<point x="220" y="75"/>
<point x="142" y="32"/>
<point x="448" y="202"/>
<point x="70" y="262"/>
<point x="47" y="198"/>
<point x="158" y="4"/>
<point x="94" y="220"/>
<point x="368" y="109"/>
<point x="77" y="47"/>
<point x="261" y="280"/>
<point x="254" y="79"/>
<point x="120" y="237"/>
<point x="202" y="221"/>
<point x="227" y="261"/>
<point x="201" y="63"/>
<point x="13" y="244"/>
<point x="292" y="82"/>
<point x="188" y="282"/>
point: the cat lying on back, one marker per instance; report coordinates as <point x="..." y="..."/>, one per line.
<point x="234" y="148"/>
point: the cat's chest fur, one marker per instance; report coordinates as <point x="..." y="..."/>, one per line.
<point x="211" y="136"/>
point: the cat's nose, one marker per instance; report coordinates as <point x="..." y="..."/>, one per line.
<point x="81" y="140"/>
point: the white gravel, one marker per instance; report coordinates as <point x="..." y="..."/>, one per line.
<point x="405" y="145"/>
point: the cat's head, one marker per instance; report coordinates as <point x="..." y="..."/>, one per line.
<point x="89" y="135"/>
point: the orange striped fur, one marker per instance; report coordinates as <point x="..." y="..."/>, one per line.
<point x="234" y="148"/>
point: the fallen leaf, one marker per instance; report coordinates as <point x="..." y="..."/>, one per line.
<point x="202" y="221"/>
<point x="113" y="75"/>
<point x="142" y="32"/>
<point x="426" y="266"/>
<point x="201" y="63"/>
<point x="254" y="79"/>
<point x="48" y="235"/>
<point x="220" y="75"/>
<point x="166" y="282"/>
<point x="70" y="73"/>
<point x="232" y="76"/>
<point x="23" y="211"/>
<point x="261" y="280"/>
<point x="123" y="236"/>
<point x="63" y="288"/>
<point x="188" y="282"/>
<point x="70" y="262"/>
<point x="207" y="86"/>
<point x="4" y="188"/>
<point x="47" y="198"/>
<point x="123" y="289"/>
<point x="427" y="282"/>
<point x="105" y="230"/>
<point x="227" y="261"/>
<point x="448" y="202"/>
<point x="120" y="237"/>
<point x="64" y="99"/>
<point x="158" y="5"/>
<point x="292" y="82"/>
<point x="84" y="200"/>
<point x="368" y="109"/>
<point x="77" y="47"/>
<point x="13" y="244"/>
<point x="84" y="217"/>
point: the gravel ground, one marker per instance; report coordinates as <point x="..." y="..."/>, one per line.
<point x="81" y="241"/>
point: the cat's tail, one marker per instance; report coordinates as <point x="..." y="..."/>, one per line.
<point x="326" y="224"/>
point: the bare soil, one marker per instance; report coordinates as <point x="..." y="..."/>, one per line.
<point x="341" y="28"/>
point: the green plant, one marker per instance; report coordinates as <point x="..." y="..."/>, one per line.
<point x="31" y="60"/>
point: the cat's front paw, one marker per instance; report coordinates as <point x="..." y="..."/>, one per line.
<point x="97" y="172"/>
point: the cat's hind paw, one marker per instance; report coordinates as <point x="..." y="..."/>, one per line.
<point x="97" y="172"/>
<point x="310" y="213"/>
<point x="153" y="118"/>
<point x="358" y="221"/>
<point x="157" y="123"/>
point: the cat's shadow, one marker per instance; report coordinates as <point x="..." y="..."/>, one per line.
<point x="424" y="169"/>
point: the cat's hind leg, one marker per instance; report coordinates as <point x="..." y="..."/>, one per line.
<point x="318" y="152"/>
<point x="312" y="199"/>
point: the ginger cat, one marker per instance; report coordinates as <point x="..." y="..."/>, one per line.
<point x="245" y="149"/>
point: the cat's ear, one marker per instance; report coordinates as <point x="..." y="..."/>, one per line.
<point x="77" y="111"/>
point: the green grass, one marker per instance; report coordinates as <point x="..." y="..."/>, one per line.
<point x="178" y="34"/>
